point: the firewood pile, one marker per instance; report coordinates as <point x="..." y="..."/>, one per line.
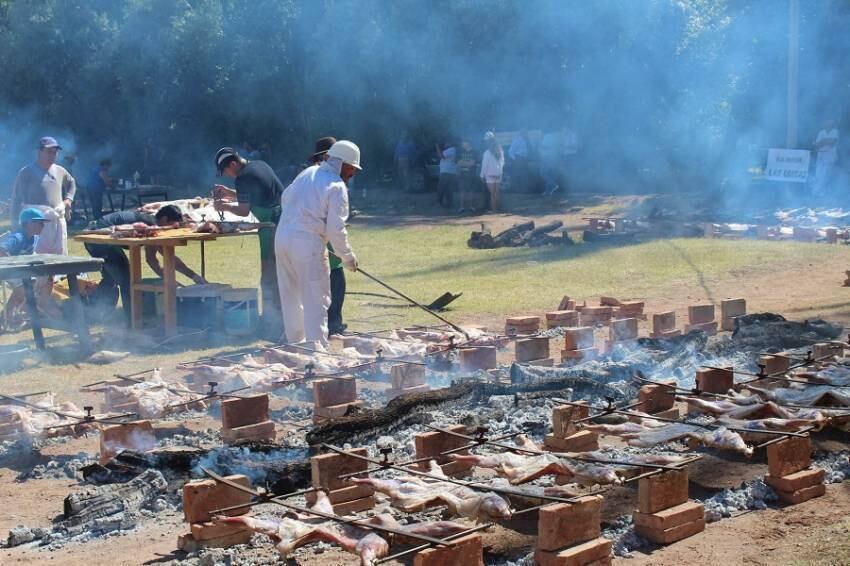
<point x="519" y="235"/>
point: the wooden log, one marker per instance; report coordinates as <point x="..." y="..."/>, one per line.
<point x="85" y="507"/>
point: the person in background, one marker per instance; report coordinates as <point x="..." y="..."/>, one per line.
<point x="257" y="192"/>
<point x="520" y="153"/>
<point x="99" y="182"/>
<point x="550" y="151"/>
<point x="492" y="164"/>
<point x="313" y="213"/>
<point x="826" y="144"/>
<point x="116" y="266"/>
<point x="337" y="279"/>
<point x="467" y="177"/>
<point x="403" y="157"/>
<point x="20" y="242"/>
<point x="49" y="187"/>
<point x="448" y="172"/>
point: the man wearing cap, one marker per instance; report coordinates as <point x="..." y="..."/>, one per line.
<point x="41" y="185"/>
<point x="258" y="191"/>
<point x="20" y="242"/>
<point x="313" y="213"/>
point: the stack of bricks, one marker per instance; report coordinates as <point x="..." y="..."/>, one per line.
<point x="333" y="398"/>
<point x="775" y="364"/>
<point x="701" y="317"/>
<point x="630" y="309"/>
<point x="200" y="498"/>
<point x="464" y="551"/>
<point x="522" y="325"/>
<point x="592" y="316"/>
<point x="565" y="435"/>
<point x="138" y="436"/>
<point x="623" y="331"/>
<point x="566" y="318"/>
<point x="664" y="325"/>
<point x="579" y="345"/>
<point x="808" y="235"/>
<point x="729" y="310"/>
<point x="406" y="378"/>
<point x="433" y="444"/>
<point x="570" y="534"/>
<point x="658" y="400"/>
<point x="567" y="304"/>
<point x="533" y="351"/>
<point x="824" y="350"/>
<point x="715" y="380"/>
<point x="477" y="358"/>
<point x="664" y="514"/>
<point x="246" y="419"/>
<point x="789" y="474"/>
<point x="345" y="497"/>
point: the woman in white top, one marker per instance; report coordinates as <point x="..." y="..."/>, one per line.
<point x="491" y="169"/>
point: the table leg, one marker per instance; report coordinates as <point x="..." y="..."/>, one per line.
<point x="203" y="261"/>
<point x="35" y="317"/>
<point x="79" y="314"/>
<point x="135" y="278"/>
<point x="169" y="280"/>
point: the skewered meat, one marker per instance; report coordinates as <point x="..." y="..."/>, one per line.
<point x="436" y="529"/>
<point x="785" y="425"/>
<point x="106" y="357"/>
<point x="322" y="364"/>
<point x="390" y="348"/>
<point x="411" y="493"/>
<point x="31" y="423"/>
<point x="520" y="468"/>
<point x="816" y="395"/>
<point x="647" y="436"/>
<point x="735" y="411"/>
<point x="153" y="397"/>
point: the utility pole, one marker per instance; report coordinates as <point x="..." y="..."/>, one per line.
<point x="793" y="63"/>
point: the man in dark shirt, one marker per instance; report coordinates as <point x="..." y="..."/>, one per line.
<point x="116" y="266"/>
<point x="257" y="191"/>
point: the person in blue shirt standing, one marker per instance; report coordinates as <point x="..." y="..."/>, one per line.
<point x="98" y="182"/>
<point x="20" y="242"/>
<point x="404" y="156"/>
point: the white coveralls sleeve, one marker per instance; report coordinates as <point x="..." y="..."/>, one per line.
<point x="337" y="213"/>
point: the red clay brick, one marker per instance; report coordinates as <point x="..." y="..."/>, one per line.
<point x="392" y="392"/>
<point x="774" y="364"/>
<point x="823" y="350"/>
<point x="715" y="380"/>
<point x="579" y="555"/>
<point x="789" y="456"/>
<point x="668" y="518"/>
<point x="582" y="355"/>
<point x="655" y="398"/>
<point x="663" y="322"/>
<point x="466" y="551"/>
<point x="343" y="494"/>
<point x="330" y="392"/>
<point x="662" y="491"/>
<point x="202" y="496"/>
<point x="406" y="375"/>
<point x="623" y="329"/>
<point x="355" y="506"/>
<point x="567" y="524"/>
<point x="730" y="308"/>
<point x="430" y="444"/>
<point x="797" y="480"/>
<point x="801" y="495"/>
<point x="562" y="318"/>
<point x="563" y="417"/>
<point x="245" y="411"/>
<point x="666" y="335"/>
<point x="578" y="338"/>
<point x="209" y="531"/>
<point x="473" y="359"/>
<point x="335" y="411"/>
<point x="528" y="349"/>
<point x="326" y="468"/>
<point x="673" y="534"/>
<point x="709" y="328"/>
<point x="699" y="314"/>
<point x="258" y="431"/>
<point x="137" y="436"/>
<point x="584" y="441"/>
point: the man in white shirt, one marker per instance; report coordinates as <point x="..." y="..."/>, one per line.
<point x="826" y="144"/>
<point x="313" y="213"/>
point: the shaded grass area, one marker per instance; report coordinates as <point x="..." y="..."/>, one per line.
<point x="425" y="261"/>
<point x="829" y="547"/>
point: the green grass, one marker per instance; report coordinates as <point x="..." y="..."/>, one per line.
<point x="425" y="261"/>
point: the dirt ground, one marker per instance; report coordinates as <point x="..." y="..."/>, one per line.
<point x="815" y="532"/>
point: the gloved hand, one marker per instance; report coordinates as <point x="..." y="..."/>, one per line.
<point x="350" y="264"/>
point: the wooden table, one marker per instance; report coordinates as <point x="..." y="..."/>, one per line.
<point x="166" y="241"/>
<point x="26" y="267"/>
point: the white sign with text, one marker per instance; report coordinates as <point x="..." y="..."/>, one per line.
<point x="787" y="165"/>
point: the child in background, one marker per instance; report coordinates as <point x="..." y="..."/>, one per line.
<point x="20" y="242"/>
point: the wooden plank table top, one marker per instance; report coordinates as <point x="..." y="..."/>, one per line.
<point x="26" y="267"/>
<point x="167" y="240"/>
